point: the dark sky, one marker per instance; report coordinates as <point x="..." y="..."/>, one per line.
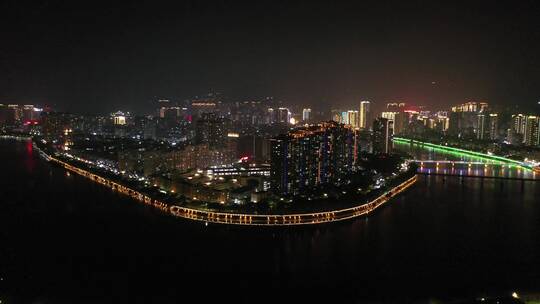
<point x="101" y="56"/>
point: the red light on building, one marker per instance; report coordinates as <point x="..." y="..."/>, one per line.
<point x="31" y="122"/>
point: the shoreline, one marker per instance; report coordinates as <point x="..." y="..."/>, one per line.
<point x="243" y="219"/>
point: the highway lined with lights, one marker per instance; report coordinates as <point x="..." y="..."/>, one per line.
<point x="244" y="219"/>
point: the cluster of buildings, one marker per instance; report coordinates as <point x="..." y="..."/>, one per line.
<point x="525" y="129"/>
<point x="19" y="115"/>
<point x="471" y="120"/>
<point x="360" y="119"/>
<point x="474" y="120"/>
<point x="262" y="143"/>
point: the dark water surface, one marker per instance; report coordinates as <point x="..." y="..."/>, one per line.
<point x="64" y="239"/>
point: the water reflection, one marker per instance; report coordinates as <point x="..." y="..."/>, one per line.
<point x="438" y="161"/>
<point x="72" y="239"/>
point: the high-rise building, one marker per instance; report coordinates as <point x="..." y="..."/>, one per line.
<point x="163" y="105"/>
<point x="483" y="106"/>
<point x="28" y="113"/>
<point x="483" y="122"/>
<point x="211" y="129"/>
<point x="464" y="120"/>
<point x="392" y="117"/>
<point x="524" y="128"/>
<point x="283" y="115"/>
<point x="493" y="126"/>
<point x="471" y="106"/>
<point x="270" y="116"/>
<point x="119" y="118"/>
<point x="352" y="118"/>
<point x="532" y="131"/>
<point x="389" y="115"/>
<point x="344" y="118"/>
<point x="395" y="106"/>
<point x="306" y="115"/>
<point x="7" y="115"/>
<point x="519" y="123"/>
<point x="336" y="115"/>
<point x="17" y="112"/>
<point x="56" y="126"/>
<point x="442" y="121"/>
<point x="363" y="114"/>
<point x="210" y="103"/>
<point x="310" y="156"/>
<point x="401" y="122"/>
<point x="382" y="135"/>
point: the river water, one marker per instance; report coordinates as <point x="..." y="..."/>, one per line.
<point x="459" y="164"/>
<point x="65" y="239"/>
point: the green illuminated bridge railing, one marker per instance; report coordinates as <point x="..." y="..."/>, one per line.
<point x="464" y="152"/>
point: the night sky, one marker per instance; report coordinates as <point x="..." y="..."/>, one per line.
<point x="88" y="56"/>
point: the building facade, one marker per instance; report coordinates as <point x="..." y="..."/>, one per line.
<point x="312" y="156"/>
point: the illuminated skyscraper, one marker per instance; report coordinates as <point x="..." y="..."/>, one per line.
<point x="306" y="115"/>
<point x="532" y="131"/>
<point x="519" y="123"/>
<point x="482" y="126"/>
<point x="311" y="156"/>
<point x="363" y="119"/>
<point x="389" y="115"/>
<point x="352" y="118"/>
<point x="119" y="118"/>
<point x="395" y="106"/>
<point x="344" y="118"/>
<point x="493" y="126"/>
<point x="283" y="115"/>
<point x="392" y="117"/>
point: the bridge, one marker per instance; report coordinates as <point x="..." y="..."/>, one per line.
<point x="477" y="169"/>
<point x="481" y="165"/>
<point x="485" y="172"/>
<point x="458" y="162"/>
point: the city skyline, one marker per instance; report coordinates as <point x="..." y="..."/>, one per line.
<point x="87" y="58"/>
<point x="270" y="151"/>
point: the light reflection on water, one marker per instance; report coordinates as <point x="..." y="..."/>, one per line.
<point x="480" y="166"/>
<point x="69" y="238"/>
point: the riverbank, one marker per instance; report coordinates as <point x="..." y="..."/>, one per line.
<point x="101" y="232"/>
<point x="238" y="218"/>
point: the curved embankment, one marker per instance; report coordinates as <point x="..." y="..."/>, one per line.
<point x="244" y="219"/>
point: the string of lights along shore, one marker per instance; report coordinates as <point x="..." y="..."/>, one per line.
<point x="270" y="151"/>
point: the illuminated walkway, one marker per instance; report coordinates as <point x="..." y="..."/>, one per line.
<point x="245" y="219"/>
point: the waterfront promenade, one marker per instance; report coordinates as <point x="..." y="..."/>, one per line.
<point x="239" y="218"/>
